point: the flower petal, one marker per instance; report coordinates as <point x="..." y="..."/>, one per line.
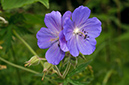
<point x="53" y="21"/>
<point x="68" y="29"/>
<point x="80" y="15"/>
<point x="86" y="47"/>
<point x="92" y="41"/>
<point x="63" y="42"/>
<point x="72" y="46"/>
<point x="93" y="27"/>
<point x="54" y="54"/>
<point x="66" y="15"/>
<point x="44" y="37"/>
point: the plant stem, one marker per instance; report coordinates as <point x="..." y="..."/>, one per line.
<point x="17" y="66"/>
<point x="1" y="18"/>
<point x="26" y="44"/>
<point x="108" y="75"/>
<point x="58" y="71"/>
<point x="66" y="70"/>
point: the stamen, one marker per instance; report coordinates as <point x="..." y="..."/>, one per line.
<point x="85" y="36"/>
<point x="80" y="34"/>
<point x="84" y="31"/>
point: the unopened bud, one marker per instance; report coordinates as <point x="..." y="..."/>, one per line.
<point x="1" y="47"/>
<point x="3" y="67"/>
<point x="33" y="61"/>
<point x="46" y="66"/>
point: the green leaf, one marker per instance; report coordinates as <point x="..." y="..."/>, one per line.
<point x="65" y="82"/>
<point x="74" y="82"/>
<point x="10" y="4"/>
<point x="45" y="3"/>
<point x="79" y="69"/>
<point x="17" y="20"/>
<point x="7" y="37"/>
<point x="33" y="19"/>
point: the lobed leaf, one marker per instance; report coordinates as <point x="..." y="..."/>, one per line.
<point x="79" y="69"/>
<point x="10" y="4"/>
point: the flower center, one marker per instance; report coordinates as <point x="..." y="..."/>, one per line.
<point x="76" y="30"/>
<point x="82" y="33"/>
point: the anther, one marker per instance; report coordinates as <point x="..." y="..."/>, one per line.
<point x="58" y="45"/>
<point x="84" y="31"/>
<point x="85" y="36"/>
<point x="80" y="34"/>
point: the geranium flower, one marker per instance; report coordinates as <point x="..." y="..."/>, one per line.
<point x="81" y="31"/>
<point x="52" y="37"/>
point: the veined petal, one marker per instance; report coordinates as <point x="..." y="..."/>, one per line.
<point x="93" y="27"/>
<point x="63" y="42"/>
<point x="92" y="41"/>
<point x="54" y="54"/>
<point x="72" y="46"/>
<point x="68" y="29"/>
<point x="53" y="21"/>
<point x="80" y="15"/>
<point x="44" y="37"/>
<point x="86" y="47"/>
<point x="66" y="15"/>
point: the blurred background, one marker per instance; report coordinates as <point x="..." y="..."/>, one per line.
<point x="110" y="63"/>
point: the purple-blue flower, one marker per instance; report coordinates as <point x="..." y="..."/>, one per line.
<point x="52" y="37"/>
<point x="81" y="31"/>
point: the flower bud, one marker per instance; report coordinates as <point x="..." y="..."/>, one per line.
<point x="1" y="47"/>
<point x="46" y="66"/>
<point x="3" y="67"/>
<point x="33" y="61"/>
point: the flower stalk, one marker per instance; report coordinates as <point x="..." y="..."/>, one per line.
<point x="1" y="18"/>
<point x="26" y="44"/>
<point x="58" y="71"/>
<point x="17" y="66"/>
<point x="66" y="70"/>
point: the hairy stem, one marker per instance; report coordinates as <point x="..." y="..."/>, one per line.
<point x="26" y="44"/>
<point x="66" y="70"/>
<point x="58" y="71"/>
<point x="1" y="18"/>
<point x="17" y="66"/>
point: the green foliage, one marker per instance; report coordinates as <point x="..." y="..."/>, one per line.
<point x="7" y="36"/>
<point x="10" y="4"/>
<point x="123" y="37"/>
<point x="110" y="63"/>
<point x="80" y="68"/>
<point x="45" y="2"/>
